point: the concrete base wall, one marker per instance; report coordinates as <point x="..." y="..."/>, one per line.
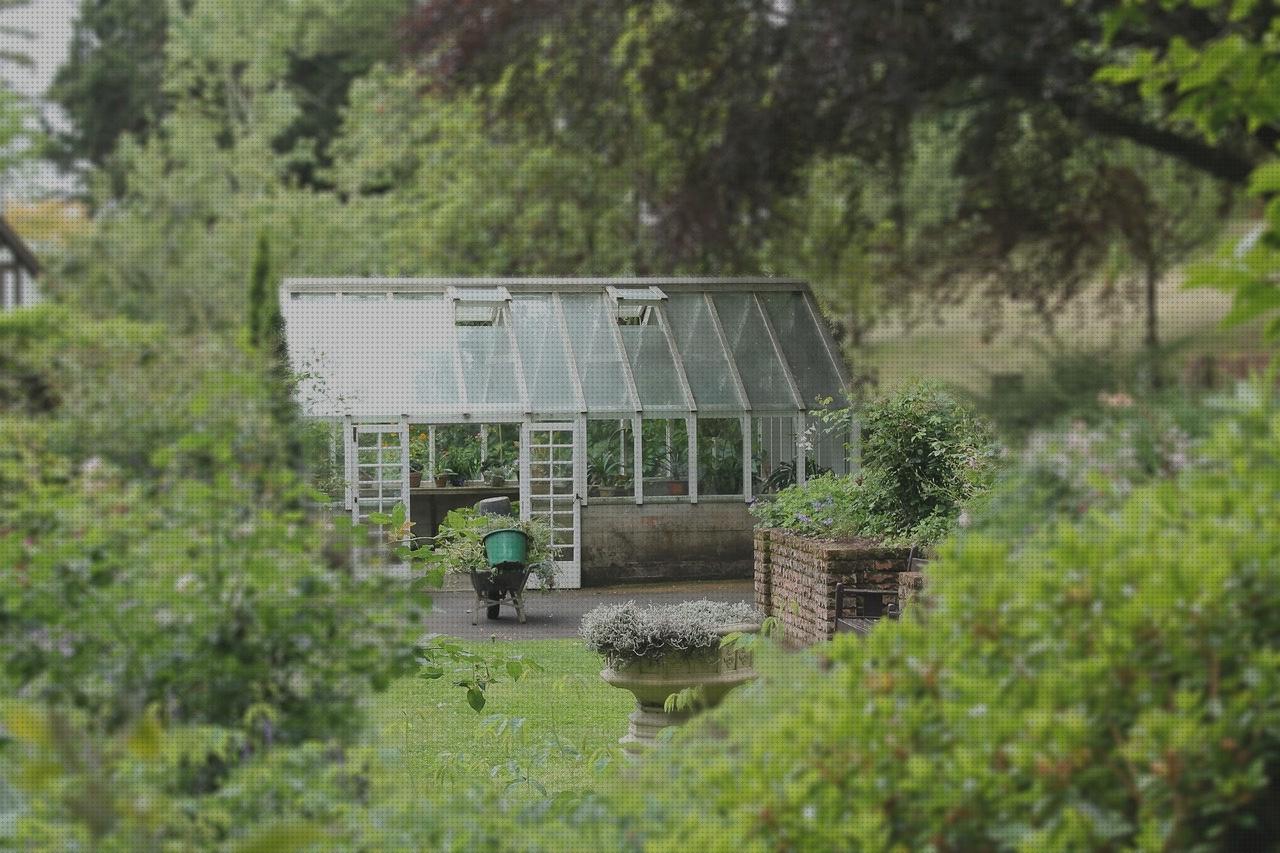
<point x="623" y="543"/>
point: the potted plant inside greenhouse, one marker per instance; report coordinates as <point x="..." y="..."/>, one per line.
<point x="605" y="477"/>
<point x="719" y="466"/>
<point x="677" y="467"/>
<point x="496" y="473"/>
<point x="419" y="458"/>
<point x="676" y="659"/>
<point x="461" y="462"/>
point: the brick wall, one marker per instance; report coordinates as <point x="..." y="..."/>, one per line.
<point x="796" y="577"/>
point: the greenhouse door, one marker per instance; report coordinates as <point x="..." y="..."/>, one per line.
<point x="549" y="490"/>
<point x="377" y="468"/>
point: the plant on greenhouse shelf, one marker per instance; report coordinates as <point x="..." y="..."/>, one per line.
<point x="462" y="460"/>
<point x="720" y="466"/>
<point x="419" y="452"/>
<point x="604" y="468"/>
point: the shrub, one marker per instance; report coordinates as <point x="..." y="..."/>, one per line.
<point x="628" y="630"/>
<point x="183" y="570"/>
<point x="1114" y="683"/>
<point x="828" y="505"/>
<point x="924" y="456"/>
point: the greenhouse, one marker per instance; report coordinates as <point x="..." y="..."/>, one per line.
<point x="639" y="417"/>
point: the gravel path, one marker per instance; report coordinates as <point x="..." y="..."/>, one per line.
<point x="558" y="613"/>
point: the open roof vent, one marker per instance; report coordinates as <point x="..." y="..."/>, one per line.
<point x="478" y="306"/>
<point x="634" y="306"/>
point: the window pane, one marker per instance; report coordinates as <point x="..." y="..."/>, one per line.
<point x="665" y="451"/>
<point x="610" y="458"/>
<point x="705" y="360"/>
<point x="653" y="368"/>
<point x="762" y="373"/>
<point x="590" y="320"/>
<point x="487" y="368"/>
<point x="773" y="454"/>
<point x="544" y="352"/>
<point x="801" y="340"/>
<point x="719" y="456"/>
<point x="828" y="450"/>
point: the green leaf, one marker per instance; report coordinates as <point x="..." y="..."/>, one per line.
<point x="475" y="698"/>
<point x="515" y="669"/>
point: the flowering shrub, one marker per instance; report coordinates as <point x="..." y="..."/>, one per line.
<point x="1078" y="466"/>
<point x="828" y="505"/>
<point x="628" y="630"/>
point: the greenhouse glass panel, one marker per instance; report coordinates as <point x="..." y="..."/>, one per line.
<point x="653" y="367"/>
<point x="545" y="354"/>
<point x="802" y="343"/>
<point x="764" y="376"/>
<point x="488" y="367"/>
<point x="828" y="450"/>
<point x="590" y="320"/>
<point x="705" y="361"/>
<point x="719" y="456"/>
<point x="372" y="356"/>
<point x="610" y="458"/>
<point x="664" y="445"/>
<point x="773" y="454"/>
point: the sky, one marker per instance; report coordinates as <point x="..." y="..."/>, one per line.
<point x="50" y="22"/>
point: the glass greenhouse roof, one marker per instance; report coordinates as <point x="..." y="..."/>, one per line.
<point x="507" y="349"/>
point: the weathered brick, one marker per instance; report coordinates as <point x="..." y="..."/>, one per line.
<point x="796" y="577"/>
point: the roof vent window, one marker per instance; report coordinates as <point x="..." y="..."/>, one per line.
<point x="478" y="306"/>
<point x="634" y="306"/>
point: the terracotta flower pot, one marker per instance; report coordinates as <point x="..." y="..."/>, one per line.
<point x="415" y="479"/>
<point x="716" y="670"/>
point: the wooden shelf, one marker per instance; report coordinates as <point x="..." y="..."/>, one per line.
<point x="463" y="491"/>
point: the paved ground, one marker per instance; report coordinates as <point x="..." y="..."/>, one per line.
<point x="559" y="612"/>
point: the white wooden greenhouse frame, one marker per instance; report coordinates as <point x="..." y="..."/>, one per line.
<point x="377" y="355"/>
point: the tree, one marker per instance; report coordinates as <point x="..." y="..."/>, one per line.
<point x="259" y="308"/>
<point x="719" y="107"/>
<point x="112" y="82"/>
<point x="1214" y="83"/>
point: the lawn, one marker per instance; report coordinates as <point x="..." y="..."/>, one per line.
<point x="544" y="732"/>
<point x="950" y="347"/>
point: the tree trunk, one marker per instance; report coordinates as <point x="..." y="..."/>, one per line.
<point x="1153" y="281"/>
<point x="1152" y="339"/>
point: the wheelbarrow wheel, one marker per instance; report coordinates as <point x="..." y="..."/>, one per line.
<point x="493" y="611"/>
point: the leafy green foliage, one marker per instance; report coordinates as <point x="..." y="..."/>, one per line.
<point x="924" y="457"/>
<point x="191" y="576"/>
<point x="1111" y="682"/>
<point x="1220" y="80"/>
<point x="827" y="506"/>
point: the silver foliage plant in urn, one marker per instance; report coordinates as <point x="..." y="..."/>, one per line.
<point x="673" y="658"/>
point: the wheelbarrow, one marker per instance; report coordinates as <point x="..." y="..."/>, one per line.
<point x="505" y="579"/>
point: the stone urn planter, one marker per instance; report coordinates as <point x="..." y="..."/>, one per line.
<point x="656" y="653"/>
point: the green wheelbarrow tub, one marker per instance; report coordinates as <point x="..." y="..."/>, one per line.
<point x="506" y="548"/>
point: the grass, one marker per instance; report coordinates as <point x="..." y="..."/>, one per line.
<point x="544" y="732"/>
<point x="950" y="348"/>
